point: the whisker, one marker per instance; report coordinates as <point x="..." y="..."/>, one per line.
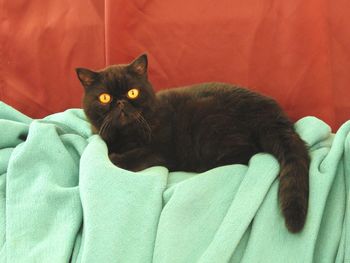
<point x="147" y="131"/>
<point x="105" y="125"/>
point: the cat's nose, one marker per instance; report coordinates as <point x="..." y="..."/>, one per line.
<point x="120" y="104"/>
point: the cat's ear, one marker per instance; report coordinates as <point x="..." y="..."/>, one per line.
<point x="87" y="77"/>
<point x="139" y="65"/>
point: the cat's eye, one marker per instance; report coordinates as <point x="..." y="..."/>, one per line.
<point x="133" y="93"/>
<point x="105" y="98"/>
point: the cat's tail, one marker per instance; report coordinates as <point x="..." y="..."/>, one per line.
<point x="290" y="150"/>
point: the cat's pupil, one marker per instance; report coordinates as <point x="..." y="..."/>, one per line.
<point x="105" y="98"/>
<point x="133" y="93"/>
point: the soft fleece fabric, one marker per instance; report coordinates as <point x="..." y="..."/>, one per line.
<point x="62" y="200"/>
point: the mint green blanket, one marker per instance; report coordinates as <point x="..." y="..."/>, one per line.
<point x="62" y="200"/>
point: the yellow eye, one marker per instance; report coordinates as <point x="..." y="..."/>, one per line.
<point x="105" y="98"/>
<point x="133" y="93"/>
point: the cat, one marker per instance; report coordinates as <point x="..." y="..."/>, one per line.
<point x="194" y="128"/>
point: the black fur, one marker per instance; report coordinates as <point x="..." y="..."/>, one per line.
<point x="195" y="128"/>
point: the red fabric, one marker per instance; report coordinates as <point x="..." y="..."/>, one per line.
<point x="41" y="44"/>
<point x="295" y="51"/>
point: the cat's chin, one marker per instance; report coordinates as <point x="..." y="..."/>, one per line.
<point x="123" y="119"/>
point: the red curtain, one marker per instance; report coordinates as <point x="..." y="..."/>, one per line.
<point x="295" y="51"/>
<point x="41" y="44"/>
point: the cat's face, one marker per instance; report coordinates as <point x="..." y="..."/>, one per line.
<point x="117" y="98"/>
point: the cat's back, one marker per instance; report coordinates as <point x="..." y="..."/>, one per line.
<point x="212" y="97"/>
<point x="198" y="91"/>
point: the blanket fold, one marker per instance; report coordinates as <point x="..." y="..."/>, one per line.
<point x="62" y="200"/>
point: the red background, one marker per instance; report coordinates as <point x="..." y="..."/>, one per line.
<point x="295" y="51"/>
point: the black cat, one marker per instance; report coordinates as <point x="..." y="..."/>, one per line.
<point x="194" y="129"/>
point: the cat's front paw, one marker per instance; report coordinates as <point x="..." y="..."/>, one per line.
<point x="122" y="161"/>
<point x="117" y="159"/>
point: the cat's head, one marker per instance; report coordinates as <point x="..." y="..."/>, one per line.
<point x="118" y="97"/>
